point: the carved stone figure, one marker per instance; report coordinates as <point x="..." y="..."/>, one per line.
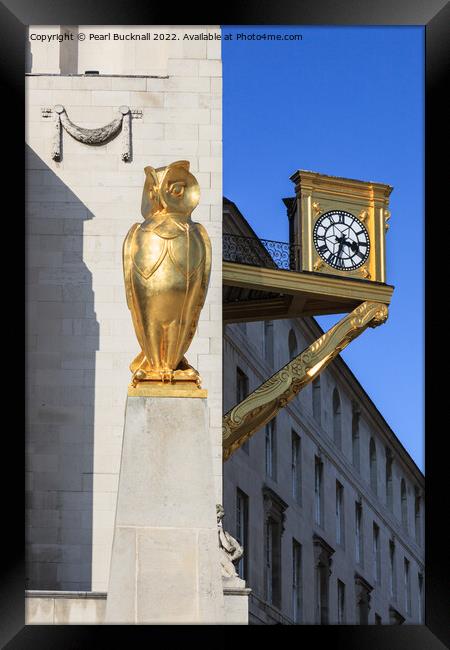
<point x="167" y="264"/>
<point x="230" y="549"/>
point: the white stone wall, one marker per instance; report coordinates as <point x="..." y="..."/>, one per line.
<point x="87" y="608"/>
<point x="80" y="335"/>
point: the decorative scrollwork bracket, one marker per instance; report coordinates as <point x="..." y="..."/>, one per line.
<point x="269" y="398"/>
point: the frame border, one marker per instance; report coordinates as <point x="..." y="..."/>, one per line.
<point x="15" y="16"/>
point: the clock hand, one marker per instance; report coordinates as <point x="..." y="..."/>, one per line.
<point x="341" y="246"/>
<point x="353" y="245"/>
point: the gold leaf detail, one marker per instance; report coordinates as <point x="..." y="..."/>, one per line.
<point x="317" y="209"/>
<point x="265" y="402"/>
<point x="318" y="265"/>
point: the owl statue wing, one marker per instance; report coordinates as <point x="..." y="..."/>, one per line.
<point x="128" y="263"/>
<point x="206" y="240"/>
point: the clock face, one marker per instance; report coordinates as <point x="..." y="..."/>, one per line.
<point x="341" y="240"/>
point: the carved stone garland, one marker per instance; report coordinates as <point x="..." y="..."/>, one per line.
<point x="92" y="136"/>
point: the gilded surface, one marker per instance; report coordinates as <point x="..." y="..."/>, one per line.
<point x="370" y="201"/>
<point x="167" y="264"/>
<point x="263" y="404"/>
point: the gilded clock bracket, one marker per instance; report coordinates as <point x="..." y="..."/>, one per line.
<point x="263" y="404"/>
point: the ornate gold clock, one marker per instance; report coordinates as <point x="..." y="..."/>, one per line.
<point x="340" y="225"/>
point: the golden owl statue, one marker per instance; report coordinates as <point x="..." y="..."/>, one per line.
<point x="166" y="264"/>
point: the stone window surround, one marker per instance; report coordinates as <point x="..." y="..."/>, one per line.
<point x="296" y="466"/>
<point x="356" y="414"/>
<point x="317" y="400"/>
<point x="393" y="568"/>
<point x="363" y="591"/>
<point x="322" y="564"/>
<point x="270" y="440"/>
<point x="297" y="581"/>
<point x="319" y="494"/>
<point x="337" y="417"/>
<point x="242" y="526"/>
<point x="341" y="602"/>
<point x="274" y="513"/>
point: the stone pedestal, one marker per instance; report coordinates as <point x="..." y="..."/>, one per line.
<point x="165" y="565"/>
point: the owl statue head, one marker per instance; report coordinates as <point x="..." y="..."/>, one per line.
<point x="171" y="190"/>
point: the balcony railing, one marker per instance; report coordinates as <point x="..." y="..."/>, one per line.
<point x="264" y="253"/>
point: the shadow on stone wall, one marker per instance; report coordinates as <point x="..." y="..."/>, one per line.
<point x="62" y="340"/>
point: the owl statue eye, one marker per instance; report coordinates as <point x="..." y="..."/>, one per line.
<point x="177" y="189"/>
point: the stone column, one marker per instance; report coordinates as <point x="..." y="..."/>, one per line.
<point x="165" y="565"/>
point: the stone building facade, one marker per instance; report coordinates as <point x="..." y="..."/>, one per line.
<point x="326" y="501"/>
<point x="79" y="209"/>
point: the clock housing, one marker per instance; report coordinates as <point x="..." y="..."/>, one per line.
<point x="339" y="225"/>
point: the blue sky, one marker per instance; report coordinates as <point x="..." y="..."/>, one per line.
<point x="346" y="101"/>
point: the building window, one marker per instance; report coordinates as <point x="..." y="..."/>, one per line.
<point x="271" y="455"/>
<point x="337" y="418"/>
<point x="376" y="554"/>
<point x="407" y="580"/>
<point x="341" y="602"/>
<point x="296" y="467"/>
<point x="243" y="328"/>
<point x="362" y="590"/>
<point x="378" y="619"/>
<point x="358" y="534"/>
<point x="355" y="436"/>
<point x="389" y="459"/>
<point x="242" y="531"/>
<point x="404" y="503"/>
<point x="268" y="342"/>
<point x="269" y="560"/>
<point x="392" y="571"/>
<point x="373" y="466"/>
<point x="322" y="570"/>
<point x="274" y="508"/>
<point x="296" y="582"/>
<point x="241" y="394"/>
<point x="318" y="490"/>
<point x="420" y="596"/>
<point x="417" y="517"/>
<point x="316" y="399"/>
<point x="340" y="527"/>
<point x="293" y="346"/>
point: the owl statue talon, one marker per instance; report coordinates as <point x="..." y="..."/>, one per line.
<point x="163" y="376"/>
<point x="138" y="376"/>
<point x="167" y="265"/>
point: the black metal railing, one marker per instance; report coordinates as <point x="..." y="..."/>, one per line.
<point x="264" y="253"/>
